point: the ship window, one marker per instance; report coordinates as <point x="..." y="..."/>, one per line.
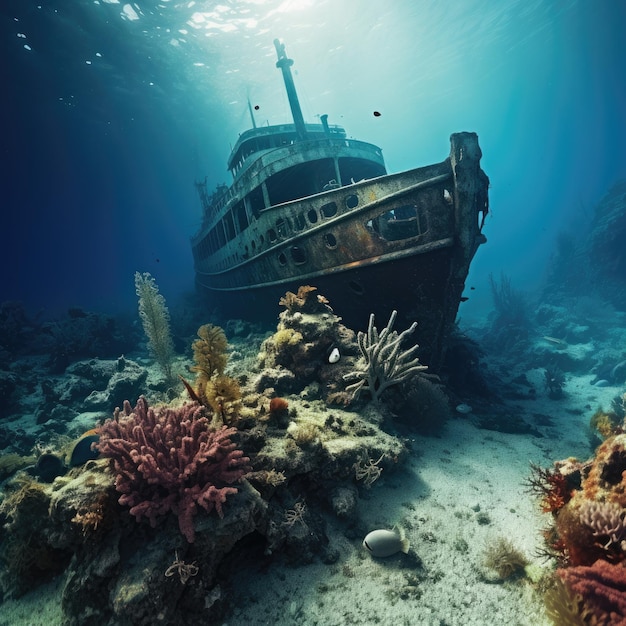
<point x="328" y="210"/>
<point x="242" y="217"/>
<point x="229" y="226"/>
<point x="399" y="223"/>
<point x="299" y="222"/>
<point x="217" y="235"/>
<point x="246" y="254"/>
<point x="330" y="240"/>
<point x="262" y="240"/>
<point x="272" y="237"/>
<point x="298" y="256"/>
<point x="255" y="200"/>
<point x="312" y="216"/>
<point x="352" y="201"/>
<point x="282" y="227"/>
<point x="253" y="244"/>
<point x="282" y="259"/>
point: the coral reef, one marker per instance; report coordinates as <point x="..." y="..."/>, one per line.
<point x="383" y="362"/>
<point x="600" y="590"/>
<point x="605" y="480"/>
<point x="170" y="460"/>
<point x="588" y="534"/>
<point x="174" y="464"/>
<point x="297" y="354"/>
<point x="156" y="321"/>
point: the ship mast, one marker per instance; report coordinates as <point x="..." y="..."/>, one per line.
<point x="285" y="64"/>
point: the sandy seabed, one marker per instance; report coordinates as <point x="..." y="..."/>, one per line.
<point x="454" y="495"/>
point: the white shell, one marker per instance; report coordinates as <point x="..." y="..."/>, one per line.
<point x="382" y="543"/>
<point x="334" y="355"/>
<point x="464" y="409"/>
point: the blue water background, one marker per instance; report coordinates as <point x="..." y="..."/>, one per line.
<point x="111" y="110"/>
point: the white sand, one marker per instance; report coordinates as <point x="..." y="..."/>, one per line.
<point x="440" y="496"/>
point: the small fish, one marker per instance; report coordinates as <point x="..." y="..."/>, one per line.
<point x="558" y="342"/>
<point x="84" y="449"/>
<point x="382" y="543"/>
<point x="463" y="408"/>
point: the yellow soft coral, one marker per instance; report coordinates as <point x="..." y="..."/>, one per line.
<point x="209" y="352"/>
<point x="213" y="388"/>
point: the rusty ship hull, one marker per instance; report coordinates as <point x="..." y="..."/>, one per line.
<point x="294" y="216"/>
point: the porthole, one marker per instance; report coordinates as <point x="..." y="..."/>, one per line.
<point x="352" y="201"/>
<point x="272" y="237"/>
<point x="298" y="256"/>
<point x="330" y="240"/>
<point x="282" y="259"/>
<point x="282" y="227"/>
<point x="312" y="216"/>
<point x="328" y="210"/>
<point x="253" y="244"/>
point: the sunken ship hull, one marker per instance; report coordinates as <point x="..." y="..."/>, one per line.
<point x="388" y="242"/>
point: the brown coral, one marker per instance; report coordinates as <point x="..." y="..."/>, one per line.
<point x="574" y="539"/>
<point x="213" y="388"/>
<point x="605" y="423"/>
<point x="504" y="558"/>
<point x="605" y="480"/>
<point x="301" y="301"/>
<point x="223" y="394"/>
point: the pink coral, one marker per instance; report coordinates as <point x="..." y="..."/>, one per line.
<point x="602" y="589"/>
<point x="171" y="460"/>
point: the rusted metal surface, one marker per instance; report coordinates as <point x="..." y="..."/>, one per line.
<point x="402" y="241"/>
<point x="309" y="206"/>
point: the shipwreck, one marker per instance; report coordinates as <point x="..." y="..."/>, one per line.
<point x="310" y="206"/>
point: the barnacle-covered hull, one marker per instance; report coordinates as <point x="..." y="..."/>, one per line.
<point x="394" y="242"/>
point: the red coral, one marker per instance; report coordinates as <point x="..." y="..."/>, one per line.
<point x="170" y="460"/>
<point x="553" y="487"/>
<point x="602" y="588"/>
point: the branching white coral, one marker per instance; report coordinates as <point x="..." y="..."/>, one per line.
<point x="383" y="361"/>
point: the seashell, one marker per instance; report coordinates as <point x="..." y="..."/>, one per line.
<point x="463" y="408"/>
<point x="334" y="355"/>
<point x="601" y="383"/>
